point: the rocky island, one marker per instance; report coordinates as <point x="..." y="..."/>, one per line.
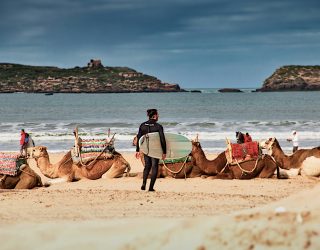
<point x="293" y="78"/>
<point x="93" y="78"/>
<point x="230" y="90"/>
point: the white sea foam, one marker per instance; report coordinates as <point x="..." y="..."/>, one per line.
<point x="214" y="135"/>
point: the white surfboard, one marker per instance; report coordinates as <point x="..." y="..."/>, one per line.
<point x="178" y="146"/>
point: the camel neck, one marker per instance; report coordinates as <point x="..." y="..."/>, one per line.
<point x="280" y="157"/>
<point x="46" y="167"/>
<point x="210" y="167"/>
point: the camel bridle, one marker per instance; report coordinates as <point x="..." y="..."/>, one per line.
<point x="270" y="145"/>
<point x="32" y="156"/>
<point x="42" y="154"/>
<point x="36" y="158"/>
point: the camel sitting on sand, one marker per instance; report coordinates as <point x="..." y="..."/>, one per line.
<point x="25" y="179"/>
<point x="66" y="170"/>
<point x="177" y="170"/>
<point x="219" y="168"/>
<point x="303" y="161"/>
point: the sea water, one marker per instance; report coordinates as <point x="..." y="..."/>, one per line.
<point x="212" y="115"/>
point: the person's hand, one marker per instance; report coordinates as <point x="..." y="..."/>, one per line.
<point x="164" y="156"/>
<point x="138" y="155"/>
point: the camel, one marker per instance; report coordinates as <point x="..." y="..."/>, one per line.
<point x="304" y="161"/>
<point x="26" y="179"/>
<point x="220" y="169"/>
<point x="66" y="171"/>
<point x="177" y="170"/>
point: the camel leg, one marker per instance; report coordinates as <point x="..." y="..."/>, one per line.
<point x="113" y="172"/>
<point x="268" y="171"/>
<point x="58" y="180"/>
<point x="27" y="183"/>
<point x="128" y="171"/>
<point x="225" y="176"/>
<point x="3" y="179"/>
<point x="84" y="179"/>
<point x="21" y="185"/>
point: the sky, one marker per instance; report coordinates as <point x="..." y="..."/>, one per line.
<point x="194" y="43"/>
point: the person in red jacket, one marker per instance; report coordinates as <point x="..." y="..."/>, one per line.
<point x="22" y="141"/>
<point x="247" y="138"/>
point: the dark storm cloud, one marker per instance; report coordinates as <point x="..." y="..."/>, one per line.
<point x="166" y="38"/>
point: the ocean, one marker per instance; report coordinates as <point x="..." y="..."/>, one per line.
<point x="212" y="115"/>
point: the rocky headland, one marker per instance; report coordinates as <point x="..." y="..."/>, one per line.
<point x="293" y="78"/>
<point x="230" y="90"/>
<point x="94" y="78"/>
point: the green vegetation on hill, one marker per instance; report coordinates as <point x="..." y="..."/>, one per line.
<point x="293" y="78"/>
<point x="16" y="77"/>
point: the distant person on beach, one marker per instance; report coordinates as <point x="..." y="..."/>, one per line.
<point x="247" y="138"/>
<point x="151" y="163"/>
<point x="295" y="141"/>
<point x="23" y="144"/>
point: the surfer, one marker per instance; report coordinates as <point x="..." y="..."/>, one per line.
<point x="151" y="163"/>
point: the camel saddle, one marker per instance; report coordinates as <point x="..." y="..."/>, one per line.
<point x="173" y="161"/>
<point x="237" y="153"/>
<point x="87" y="150"/>
<point x="10" y="163"/>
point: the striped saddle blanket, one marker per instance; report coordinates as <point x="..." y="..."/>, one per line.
<point x="93" y="145"/>
<point x="10" y="163"/>
<point x="242" y="152"/>
<point x="91" y="148"/>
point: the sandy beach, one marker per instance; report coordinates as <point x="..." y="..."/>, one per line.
<point x="193" y="213"/>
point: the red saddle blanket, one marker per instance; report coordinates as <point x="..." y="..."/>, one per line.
<point x="244" y="151"/>
<point x="8" y="163"/>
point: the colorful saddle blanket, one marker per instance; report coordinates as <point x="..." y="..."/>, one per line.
<point x="93" y="145"/>
<point x="173" y="161"/>
<point x="10" y="163"/>
<point x="242" y="152"/>
<point x="92" y="148"/>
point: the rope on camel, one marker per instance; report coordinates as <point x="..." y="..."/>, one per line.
<point x="248" y="171"/>
<point x="177" y="172"/>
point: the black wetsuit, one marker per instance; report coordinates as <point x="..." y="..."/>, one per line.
<point x="150" y="162"/>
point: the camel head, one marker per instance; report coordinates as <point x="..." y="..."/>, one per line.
<point x="196" y="147"/>
<point x="39" y="151"/>
<point x="268" y="144"/>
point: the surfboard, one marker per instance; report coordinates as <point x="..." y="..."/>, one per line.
<point x="178" y="146"/>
